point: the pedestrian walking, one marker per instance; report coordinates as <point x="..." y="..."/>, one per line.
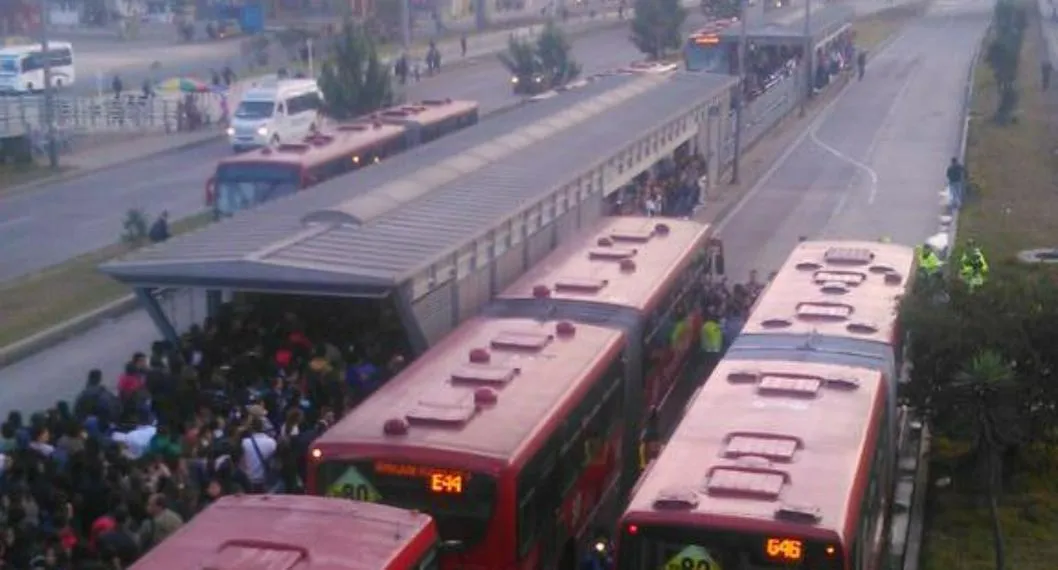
<point x="463" y="45"/>
<point x="956" y="175"/>
<point x="160" y="228"/>
<point x="117" y="87"/>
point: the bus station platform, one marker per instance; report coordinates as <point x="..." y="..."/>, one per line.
<point x="440" y="229"/>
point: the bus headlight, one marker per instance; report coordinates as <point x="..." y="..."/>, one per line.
<point x="263" y="131"/>
<point x="231" y="131"/>
<point x="514" y="81"/>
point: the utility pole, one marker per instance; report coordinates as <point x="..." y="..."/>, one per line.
<point x="49" y="93"/>
<point x="405" y="25"/>
<point x="741" y="91"/>
<point x="806" y="59"/>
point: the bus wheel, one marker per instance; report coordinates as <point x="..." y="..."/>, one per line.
<point x="569" y="556"/>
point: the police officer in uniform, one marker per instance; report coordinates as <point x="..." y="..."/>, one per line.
<point x="929" y="263"/>
<point x="973" y="268"/>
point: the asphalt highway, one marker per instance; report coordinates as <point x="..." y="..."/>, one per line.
<point x="90" y="209"/>
<point x="872" y="164"/>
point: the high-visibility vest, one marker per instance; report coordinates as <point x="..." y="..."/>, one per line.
<point x="712" y="337"/>
<point x="928" y="260"/>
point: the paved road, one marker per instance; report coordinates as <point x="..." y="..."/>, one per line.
<point x="90" y="209"/>
<point x="873" y="163"/>
<point x="763" y="229"/>
<point x="132" y="60"/>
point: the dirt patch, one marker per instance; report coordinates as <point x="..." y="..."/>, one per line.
<point x="1013" y="168"/>
<point x="36" y="302"/>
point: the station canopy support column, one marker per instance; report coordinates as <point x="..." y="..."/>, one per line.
<point x="149" y="301"/>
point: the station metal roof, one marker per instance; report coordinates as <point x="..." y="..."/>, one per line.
<point x="790" y="26"/>
<point x="366" y="233"/>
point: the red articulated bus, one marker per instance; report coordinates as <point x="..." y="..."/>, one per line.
<point x="835" y="302"/>
<point x="307" y="533"/>
<point x="641" y="276"/>
<point x="246" y="180"/>
<point x="506" y="433"/>
<point x="774" y="465"/>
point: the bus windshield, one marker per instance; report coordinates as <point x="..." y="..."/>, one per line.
<point x="243" y="186"/>
<point x="708" y="57"/>
<point x="461" y="502"/>
<point x="8" y="65"/>
<point x="701" y="549"/>
<point x="255" y="109"/>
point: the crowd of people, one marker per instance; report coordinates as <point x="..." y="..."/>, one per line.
<point x="674" y="188"/>
<point x="232" y="409"/>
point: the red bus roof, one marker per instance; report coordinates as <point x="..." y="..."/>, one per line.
<point x="763" y="437"/>
<point x="426" y="112"/>
<point x="534" y="371"/>
<point x="323" y="147"/>
<point x="846" y="288"/>
<point x="286" y="532"/>
<point x="624" y="261"/>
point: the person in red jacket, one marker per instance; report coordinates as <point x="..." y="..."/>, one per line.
<point x="130" y="382"/>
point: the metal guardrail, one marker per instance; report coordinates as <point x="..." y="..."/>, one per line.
<point x="133" y="114"/>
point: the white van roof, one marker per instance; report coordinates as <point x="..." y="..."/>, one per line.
<point x="269" y="90"/>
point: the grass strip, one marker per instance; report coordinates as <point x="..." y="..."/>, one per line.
<point x="41" y="300"/>
<point x="1013" y="168"/>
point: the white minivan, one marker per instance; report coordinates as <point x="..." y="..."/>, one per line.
<point x="275" y="111"/>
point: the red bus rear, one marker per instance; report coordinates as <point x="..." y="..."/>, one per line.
<point x="775" y="465"/>
<point x="506" y="433"/>
<point x="246" y="180"/>
<point x="307" y="533"/>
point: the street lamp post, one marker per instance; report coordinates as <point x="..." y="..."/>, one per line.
<point x="809" y="53"/>
<point x="49" y="92"/>
<point x="405" y="25"/>
<point x="737" y="158"/>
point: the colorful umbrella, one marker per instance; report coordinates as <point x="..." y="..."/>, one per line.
<point x="184" y="85"/>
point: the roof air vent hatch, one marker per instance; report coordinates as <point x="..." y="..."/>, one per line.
<point x="479" y="356"/>
<point x="485" y="397"/>
<point x="676" y="499"/>
<point x="799" y="513"/>
<point x="395" y="426"/>
<point x="541" y="291"/>
<point x="565" y="329"/>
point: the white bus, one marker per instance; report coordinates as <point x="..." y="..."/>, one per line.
<point x="22" y="67"/>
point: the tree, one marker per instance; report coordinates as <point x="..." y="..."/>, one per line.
<point x="354" y="80"/>
<point x="555" y="54"/>
<point x="520" y="58"/>
<point x="1003" y="55"/>
<point x="987" y="391"/>
<point x="656" y="27"/>
<point x="551" y="54"/>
